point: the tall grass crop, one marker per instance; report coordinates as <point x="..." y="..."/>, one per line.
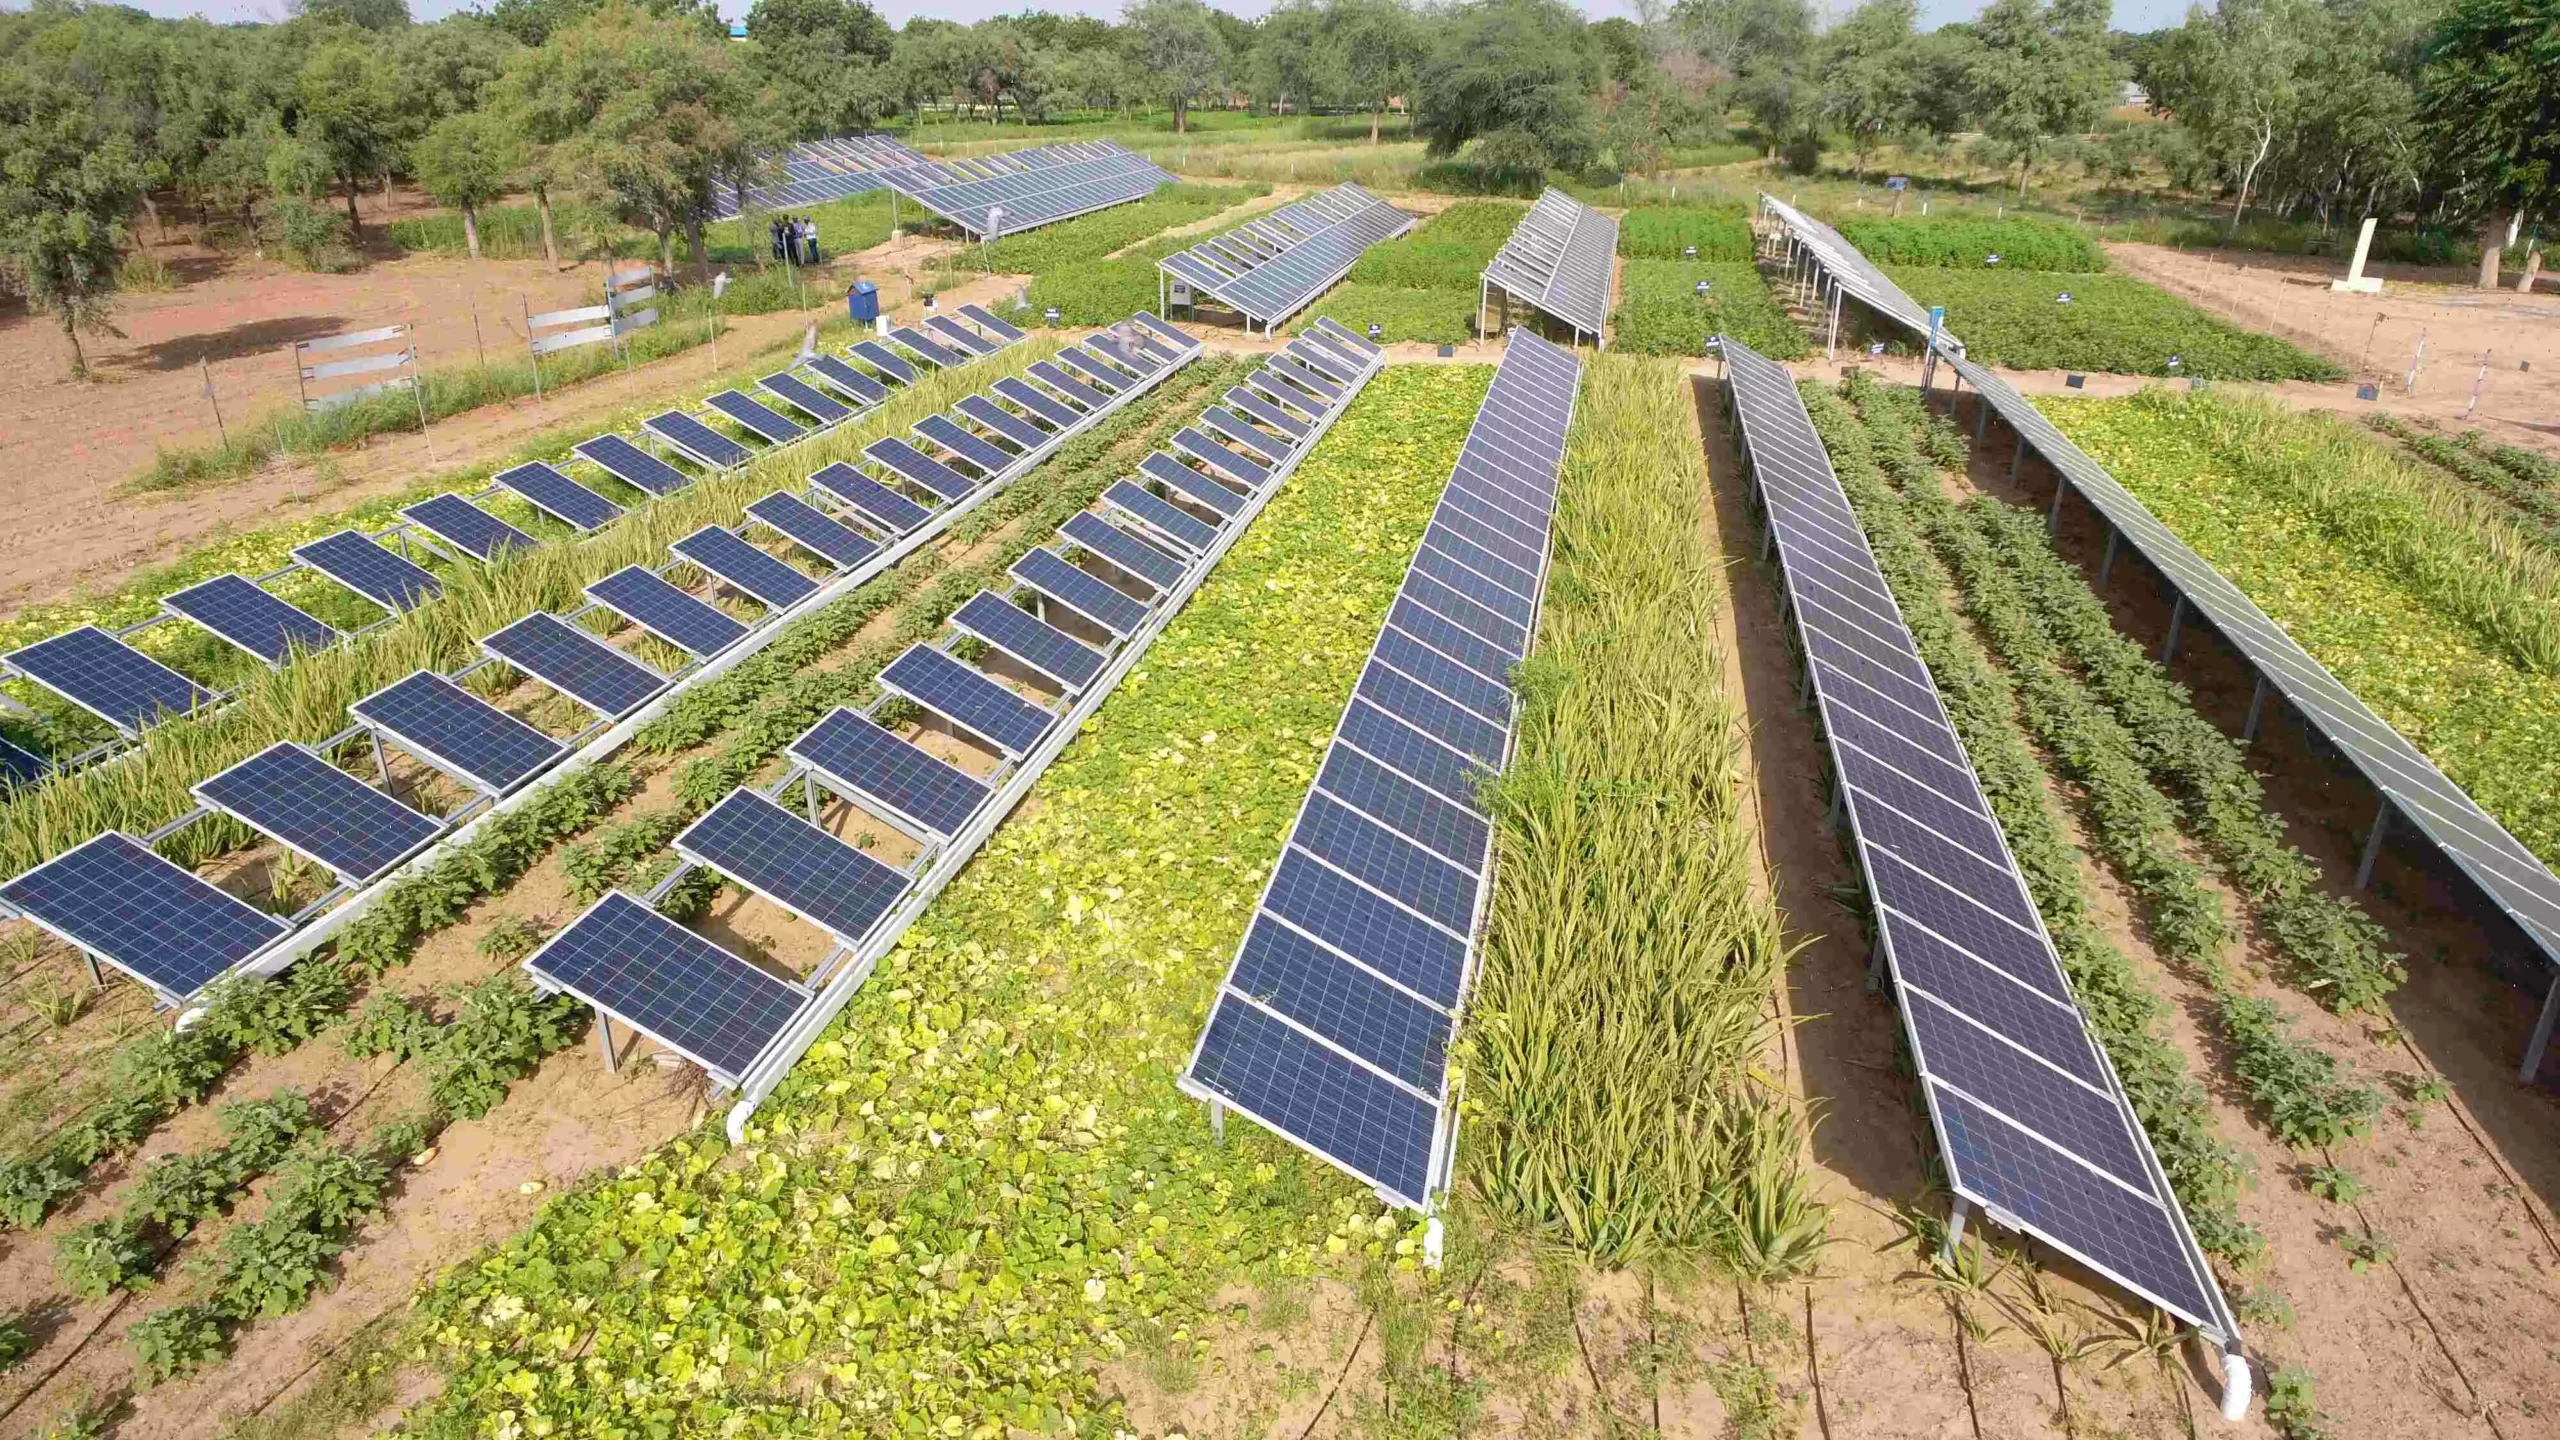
<point x="1948" y="241"/>
<point x="1617" y="1040"/>
<point x="2112" y="324"/>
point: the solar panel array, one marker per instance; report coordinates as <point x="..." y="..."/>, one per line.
<point x="1031" y="187"/>
<point x="2029" y="1115"/>
<point x="1271" y="268"/>
<point x="814" y="173"/>
<point x="1561" y="258"/>
<point x="1852" y="271"/>
<point x="114" y="898"/>
<point x="1334" y="1022"/>
<point x="311" y="806"/>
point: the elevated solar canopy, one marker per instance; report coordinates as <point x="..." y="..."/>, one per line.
<point x="794" y="864"/>
<point x="1823" y="254"/>
<point x="237" y="611"/>
<point x="388" y="580"/>
<point x="1029" y="187"/>
<point x="302" y="801"/>
<point x="1273" y="267"/>
<point x="119" y="902"/>
<point x="814" y="173"/>
<point x="2031" y="1120"/>
<point x="912" y="785"/>
<point x="457" y="732"/>
<point x="1562" y="259"/>
<point x="110" y="679"/>
<point x="1333" y="1025"/>
<point x="635" y="965"/>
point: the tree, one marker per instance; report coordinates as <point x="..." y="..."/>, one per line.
<point x="2041" y="71"/>
<point x="362" y="14"/>
<point x="2491" y="102"/>
<point x="822" y="60"/>
<point x="349" y="113"/>
<point x="1734" y="36"/>
<point x="1294" y="55"/>
<point x="533" y="96"/>
<point x="662" y="116"/>
<point x="1515" y="77"/>
<point x="1380" y="47"/>
<point x="2237" y="77"/>
<point x="1176" y="45"/>
<point x="1866" y="73"/>
<point x="66" y="184"/>
<point x="466" y="162"/>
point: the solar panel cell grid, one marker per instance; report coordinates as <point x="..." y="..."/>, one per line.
<point x="1220" y="459"/>
<point x="794" y="864"/>
<point x="110" y="679"/>
<point x="804" y="397"/>
<point x="757" y="419"/>
<point x="914" y="466"/>
<point x="113" y="897"/>
<point x="665" y="611"/>
<point x="989" y="458"/>
<point x="1340" y="1108"/>
<point x="1067" y="385"/>
<point x="874" y="502"/>
<point x="912" y="785"/>
<point x="319" y="810"/>
<point x="967" y="698"/>
<point x="1085" y="594"/>
<point x="559" y="497"/>
<point x="575" y="663"/>
<point x="812" y="530"/>
<point x="358" y="563"/>
<point x="1350" y="917"/>
<point x="241" y="613"/>
<point x="683" y="991"/>
<point x="466" y="527"/>
<point x="883" y="359"/>
<point x="1047" y="650"/>
<point x="1029" y="398"/>
<point x="994" y="417"/>
<point x="847" y="381"/>
<point x="698" y="441"/>
<point x="632" y="465"/>
<point x="1184" y="483"/>
<point x="1160" y="516"/>
<point x="1290" y="975"/>
<point x="764" y="578"/>
<point x="927" y="347"/>
<point x="464" y="735"/>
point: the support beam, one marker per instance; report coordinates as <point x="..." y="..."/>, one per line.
<point x="605" y="1043"/>
<point x="2541" y="1041"/>
<point x="2107" y="562"/>
<point x="1956" y="1214"/>
<point x="2373" y="843"/>
<point x="1981" y="417"/>
<point x="2177" y="622"/>
<point x="2053" y="516"/>
<point x="2257" y="712"/>
<point x="2017" y="455"/>
<point x="1217" y="1122"/>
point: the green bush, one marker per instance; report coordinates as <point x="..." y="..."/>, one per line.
<point x="502" y="1030"/>
<point x="310" y="234"/>
<point x="102" y="1257"/>
<point x="176" y="1341"/>
<point x="1468" y="177"/>
<point x="390" y="1024"/>
<point x="1660" y="232"/>
<point x="2113" y="324"/>
<point x="1953" y="242"/>
<point x="1446" y="252"/>
<point x="1661" y="313"/>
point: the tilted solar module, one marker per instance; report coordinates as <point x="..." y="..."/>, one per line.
<point x="1246" y="472"/>
<point x="368" y="569"/>
<point x="960" y="337"/>
<point x="1276" y="390"/>
<point x="1029" y="398"/>
<point x="911" y="785"/>
<point x="743" y="565"/>
<point x="19" y="765"/>
<point x="1186" y="483"/>
<point x="632" y="465"/>
<point x="812" y="530"/>
<point x="1087" y="595"/>
<point x="1259" y="407"/>
<point x="1044" y="648"/>
<point x="984" y="319"/>
<point x="967" y="698"/>
<point x="1230" y="428"/>
<point x="804" y="397"/>
<point x="910" y="464"/>
<point x="309" y="805"/>
<point x="239" y="612"/>
<point x="1321" y="356"/>
<point x="110" y="679"/>
<point x="575" y="663"/>
<point x="1067" y="385"/>
<point x="2032" y="1124"/>
<point x="847" y="381"/>
<point x="1850" y="268"/>
<point x="759" y="419"/>
<point x="1138" y="360"/>
<point x="873" y="501"/>
<point x="988" y="457"/>
<point x="1343" y="336"/>
<point x="1561" y="259"/>
<point x="1297" y="372"/>
<point x="1334" y="1022"/>
<point x="1029" y="188"/>
<point x="559" y="497"/>
<point x="1134" y="556"/>
<point x="928" y="348"/>
<point x="1161" y="516"/>
<point x="697" y="441"/>
<point x="466" y="527"/>
<point x="794" y="864"/>
<point x="114" y="898"/>
<point x="1003" y="422"/>
<point x="681" y="620"/>
<point x="680" y="990"/>
<point x="457" y="732"/>
<point x="1097" y="374"/>
<point x="887" y="361"/>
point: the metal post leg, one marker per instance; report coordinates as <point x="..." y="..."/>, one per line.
<point x="2108" y="562"/>
<point x="2177" y="622"/>
<point x="1875" y="969"/>
<point x="604" y="1042"/>
<point x="1981" y="417"/>
<point x="97" y="976"/>
<point x="2017" y="455"/>
<point x="2373" y="844"/>
<point x="2257" y="711"/>
<point x="1217" y="1122"/>
<point x="2053" y="517"/>
<point x="1839" y="802"/>
<point x="2541" y="1040"/>
<point x="1804" y="685"/>
<point x="1956" y="1214"/>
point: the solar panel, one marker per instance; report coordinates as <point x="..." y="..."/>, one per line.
<point x="239" y="612"/>
<point x="740" y="564"/>
<point x="663" y="610"/>
<point x="848" y="748"/>
<point x="1259" y="407"/>
<point x="1124" y="549"/>
<point x="810" y="529"/>
<point x="370" y="570"/>
<point x="847" y="381"/>
<point x="1170" y="337"/>
<point x="1561" y="259"/>
<point x="758" y="420"/>
<point x="979" y="316"/>
<point x="794" y="864"/>
<point x="1029" y="398"/>
<point x="1136" y="360"/>
<point x="114" y="898"/>
<point x="1163" y="517"/>
<point x="1188" y="484"/>
<point x="967" y="698"/>
<point x="1298" y="373"/>
<point x="1067" y="385"/>
<point x="870" y="499"/>
<point x="20" y="766"/>
<point x="1271" y="270"/>
<point x="2024" y="1130"/>
<point x="1321" y="356"/>
<point x="632" y="465"/>
<point x="466" y="527"/>
<point x="1285" y="397"/>
<point x="927" y="347"/>
<point x="575" y="663"/>
<point x="459" y="733"/>
<point x="1219" y="458"/>
<point x="680" y="990"/>
<point x="1333" y="1024"/>
<point x="1096" y="600"/>
<point x="1096" y="373"/>
<point x="1015" y="192"/>
<point x="960" y="337"/>
<point x="1003" y="422"/>
<point x="560" y="497"/>
<point x="1344" y="338"/>
<point x="301" y="801"/>
<point x="908" y="463"/>
<point x="977" y="451"/>
<point x="698" y="442"/>
<point x="808" y="399"/>
<point x="1230" y="428"/>
<point x="887" y="361"/>
<point x="1047" y="650"/>
<point x="110" y="679"/>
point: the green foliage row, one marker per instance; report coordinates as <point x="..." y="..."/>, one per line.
<point x="1106" y="291"/>
<point x="1720" y="229"/>
<point x="177" y="1193"/>
<point x="1660" y="311"/>
<point x="2517" y="477"/>
<point x="1429" y="317"/>
<point x="1095" y="236"/>
<point x="2114" y="324"/>
<point x="1946" y="241"/>
<point x="1445" y="252"/>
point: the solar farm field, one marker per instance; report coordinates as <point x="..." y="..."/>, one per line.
<point x="2112" y="323"/>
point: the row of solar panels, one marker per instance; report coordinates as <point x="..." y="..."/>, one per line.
<point x="100" y="673"/>
<point x="1013" y="674"/>
<point x="1271" y="268"/>
<point x="1334" y="1023"/>
<point x="1561" y="258"/>
<point x="816" y="172"/>
<point x="124" y="905"/>
<point x="1019" y="189"/>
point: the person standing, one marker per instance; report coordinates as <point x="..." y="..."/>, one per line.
<point x="813" y="239"/>
<point x="773" y="228"/>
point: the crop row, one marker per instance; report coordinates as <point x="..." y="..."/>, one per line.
<point x="1616" y="1041"/>
<point x="2111" y="323"/>
<point x="982" y="1184"/>
<point x="1104" y="290"/>
<point x="1720" y="231"/>
<point x="1954" y="242"/>
<point x="1660" y="311"/>
<point x="1091" y="237"/>
<point x="2506" y="473"/>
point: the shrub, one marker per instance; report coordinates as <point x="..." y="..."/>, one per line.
<point x="392" y="1025"/>
<point x="1470" y="177"/>
<point x="15" y="1342"/>
<point x="1446" y="252"/>
<point x="502" y="1030"/>
<point x="311" y="235"/>
<point x="102" y="1257"/>
<point x="273" y="1015"/>
<point x="177" y="1341"/>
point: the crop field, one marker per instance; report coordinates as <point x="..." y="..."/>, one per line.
<point x="1950" y="242"/>
<point x="1721" y="231"/>
<point x="1091" y="237"/>
<point x="2526" y="486"/>
<point x="1425" y="286"/>
<point x="1103" y="291"/>
<point x="1660" y="311"/>
<point x="2111" y="323"/>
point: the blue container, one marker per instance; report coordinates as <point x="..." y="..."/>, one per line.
<point x="862" y="302"/>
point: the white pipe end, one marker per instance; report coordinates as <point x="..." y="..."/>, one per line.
<point x="187" y="1019"/>
<point x="2235" y="1386"/>
<point x="1434" y="1242"/>
<point x="739" y="1114"/>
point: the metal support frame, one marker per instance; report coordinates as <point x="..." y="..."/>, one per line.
<point x="2107" y="562"/>
<point x="2373" y="843"/>
<point x="2541" y="1041"/>
<point x="2177" y="623"/>
<point x="1957" y="1212"/>
<point x="2257" y="711"/>
<point x="2053" y="513"/>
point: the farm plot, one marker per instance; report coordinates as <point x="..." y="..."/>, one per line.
<point x="2523" y="485"/>
<point x="1091" y="237"/>
<point x="1660" y="311"/>
<point x="2016" y="318"/>
<point x="1968" y="244"/>
<point x="1102" y="290"/>
<point x="1721" y="231"/>
<point x="1425" y="286"/>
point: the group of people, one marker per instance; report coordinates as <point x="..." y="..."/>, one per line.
<point x="795" y="238"/>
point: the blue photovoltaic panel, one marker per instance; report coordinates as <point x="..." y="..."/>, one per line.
<point x="870" y="499"/>
<point x="969" y="699"/>
<point x="1333" y="1023"/>
<point x="110" y="679"/>
<point x="2031" y="1122"/>
<point x="1094" y="371"/>
<point x="1045" y="648"/>
<point x="1343" y="337"/>
<point x="1232" y="429"/>
<point x="812" y="530"/>
<point x="794" y="864"/>
<point x="632" y="465"/>
<point x="1219" y="458"/>
<point x="1321" y="355"/>
<point x="1123" y="549"/>
<point x="1169" y="339"/>
<point x="1435" y="561"/>
<point x="1429" y="593"/>
<point x="670" y="984"/>
<point x="887" y="361"/>
<point x="560" y="497"/>
<point x="1189" y="484"/>
<point x="114" y="898"/>
<point x="241" y="613"/>
<point x="848" y="381"/>
<point x="959" y="337"/>
<point x="758" y="419"/>
<point x="979" y="316"/>
<point x="698" y="440"/>
<point x="575" y="663"/>
<point x="1022" y="433"/>
<point x="808" y="399"/>
<point x="1271" y="268"/>
<point x="1089" y="596"/>
<point x="369" y="570"/>
<point x="1284" y="397"/>
<point x="1135" y="355"/>
<point x="1029" y="398"/>
<point x="1160" y="515"/>
<point x="312" y="806"/>
<point x="743" y="565"/>
<point x="1561" y="259"/>
<point x="463" y="734"/>
<point x="910" y="464"/>
<point x="973" y="448"/>
<point x="20" y="766"/>
<point x="1304" y="376"/>
<point x="912" y="785"/>
<point x="466" y="527"/>
<point x="665" y="611"/>
<point x="1259" y="407"/>
<point x="1068" y="385"/>
<point x="927" y="347"/>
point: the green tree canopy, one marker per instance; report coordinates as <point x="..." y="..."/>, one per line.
<point x="1515" y="77"/>
<point x="822" y="60"/>
<point x="67" y="180"/>
<point x="1176" y="45"/>
<point x="2492" y="113"/>
<point x="466" y="161"/>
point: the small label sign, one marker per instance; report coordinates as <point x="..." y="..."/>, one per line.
<point x="1897" y="182"/>
<point x="2076" y="382"/>
<point x="2368" y="392"/>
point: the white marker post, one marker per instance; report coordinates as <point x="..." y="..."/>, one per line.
<point x="2356" y="281"/>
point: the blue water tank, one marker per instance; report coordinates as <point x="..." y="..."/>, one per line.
<point x="862" y="302"/>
